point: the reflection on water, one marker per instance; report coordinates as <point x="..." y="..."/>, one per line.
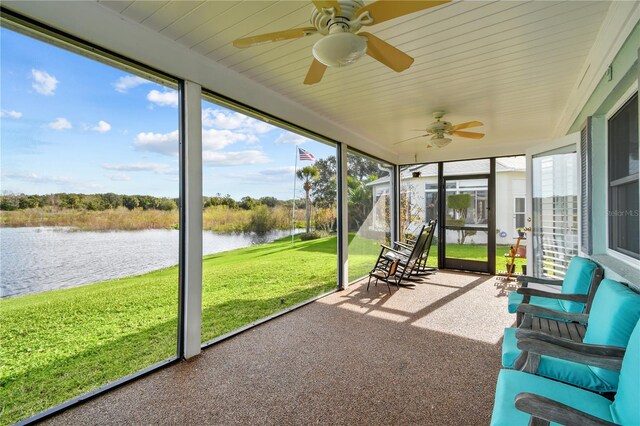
<point x="39" y="259"/>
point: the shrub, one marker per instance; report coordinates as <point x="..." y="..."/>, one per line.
<point x="313" y="235"/>
<point x="261" y="220"/>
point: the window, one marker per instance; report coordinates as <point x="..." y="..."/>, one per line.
<point x="519" y="212"/>
<point x="367" y="177"/>
<point x="623" y="179"/>
<point x="269" y="219"/>
<point x="90" y="238"/>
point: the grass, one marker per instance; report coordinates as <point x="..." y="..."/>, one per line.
<point x="476" y="252"/>
<point x="87" y="220"/>
<point x="215" y="218"/>
<point x="63" y="343"/>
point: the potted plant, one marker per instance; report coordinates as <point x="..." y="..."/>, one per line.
<point x="521" y="233"/>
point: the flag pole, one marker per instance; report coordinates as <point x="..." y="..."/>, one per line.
<point x="293" y="207"/>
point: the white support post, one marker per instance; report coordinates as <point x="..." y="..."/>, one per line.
<point x="343" y="218"/>
<point x="192" y="195"/>
<point x="394" y="202"/>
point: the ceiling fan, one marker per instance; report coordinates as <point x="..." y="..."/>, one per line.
<point x="338" y="21"/>
<point x="438" y="130"/>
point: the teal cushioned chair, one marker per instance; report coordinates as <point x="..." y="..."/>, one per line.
<point x="624" y="410"/>
<point x="577" y="280"/>
<point x="615" y="312"/>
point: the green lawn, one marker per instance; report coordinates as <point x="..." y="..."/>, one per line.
<point x="60" y="344"/>
<point x="476" y="252"/>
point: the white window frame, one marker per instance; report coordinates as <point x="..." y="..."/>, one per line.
<point x="515" y="212"/>
<point x="616" y="107"/>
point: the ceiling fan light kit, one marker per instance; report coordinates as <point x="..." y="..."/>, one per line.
<point x="440" y="142"/>
<point x="338" y="21"/>
<point x="439" y="130"/>
<point x="340" y="49"/>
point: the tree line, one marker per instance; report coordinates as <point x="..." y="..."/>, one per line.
<point x="318" y="182"/>
<point x="100" y="202"/>
<point x="94" y="202"/>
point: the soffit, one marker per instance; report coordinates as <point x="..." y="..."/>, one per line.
<point x="511" y="65"/>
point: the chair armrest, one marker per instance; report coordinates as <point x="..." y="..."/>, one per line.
<point x="405" y="245"/>
<point x="539" y="347"/>
<point x="587" y="348"/>
<point x="393" y="250"/>
<point x="529" y="279"/>
<point x="548" y="410"/>
<point x="582" y="298"/>
<point x="539" y="311"/>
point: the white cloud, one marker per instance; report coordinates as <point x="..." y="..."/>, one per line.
<point x="102" y="127"/>
<point x="279" y="171"/>
<point x="123" y="84"/>
<point x="140" y="167"/>
<point x="119" y="177"/>
<point x="68" y="183"/>
<point x="238" y="158"/>
<point x="230" y="120"/>
<point x="276" y="174"/>
<point x="218" y="139"/>
<point x="43" y="82"/>
<point x="35" y="177"/>
<point x="163" y="143"/>
<point x="60" y="123"/>
<point x="166" y="98"/>
<point x="10" y="114"/>
<point x="291" y="138"/>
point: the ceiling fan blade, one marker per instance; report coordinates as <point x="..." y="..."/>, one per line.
<point x="383" y="52"/>
<point x="471" y="135"/>
<point x="315" y="73"/>
<point x="384" y="10"/>
<point x="466" y="125"/>
<point x="277" y="36"/>
<point x="327" y="4"/>
<point x="410" y="139"/>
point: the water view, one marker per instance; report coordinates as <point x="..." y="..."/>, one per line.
<point x="40" y="259"/>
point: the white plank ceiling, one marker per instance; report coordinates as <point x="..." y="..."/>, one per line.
<point x="511" y="64"/>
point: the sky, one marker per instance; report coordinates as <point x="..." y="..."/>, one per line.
<point x="72" y="124"/>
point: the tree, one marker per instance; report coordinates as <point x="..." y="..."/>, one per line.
<point x="308" y="174"/>
<point x="269" y="201"/>
<point x="247" y="203"/>
<point x="360" y="200"/>
<point x="358" y="167"/>
<point x="130" y="201"/>
<point x="363" y="168"/>
<point x="325" y="190"/>
<point x="460" y="203"/>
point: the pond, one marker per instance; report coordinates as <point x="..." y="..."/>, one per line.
<point x="33" y="260"/>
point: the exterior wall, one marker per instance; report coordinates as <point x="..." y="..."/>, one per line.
<point x="508" y="186"/>
<point x="603" y="99"/>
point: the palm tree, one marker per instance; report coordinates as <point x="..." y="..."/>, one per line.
<point x="308" y="174"/>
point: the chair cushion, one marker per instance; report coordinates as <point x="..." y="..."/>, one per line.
<point x="511" y="383"/>
<point x="615" y="313"/>
<point x="577" y="280"/>
<point x="515" y="299"/>
<point x="554" y="368"/>
<point x="625" y="409"/>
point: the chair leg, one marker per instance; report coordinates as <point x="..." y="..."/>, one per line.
<point x="388" y="286"/>
<point x="369" y="282"/>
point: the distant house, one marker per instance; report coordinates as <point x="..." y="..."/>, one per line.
<point x="418" y="186"/>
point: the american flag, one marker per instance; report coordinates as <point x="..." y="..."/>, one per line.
<point x="305" y="155"/>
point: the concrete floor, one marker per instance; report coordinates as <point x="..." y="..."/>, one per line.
<point x="428" y="355"/>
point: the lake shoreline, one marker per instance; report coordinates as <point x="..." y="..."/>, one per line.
<point x="37" y="259"/>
